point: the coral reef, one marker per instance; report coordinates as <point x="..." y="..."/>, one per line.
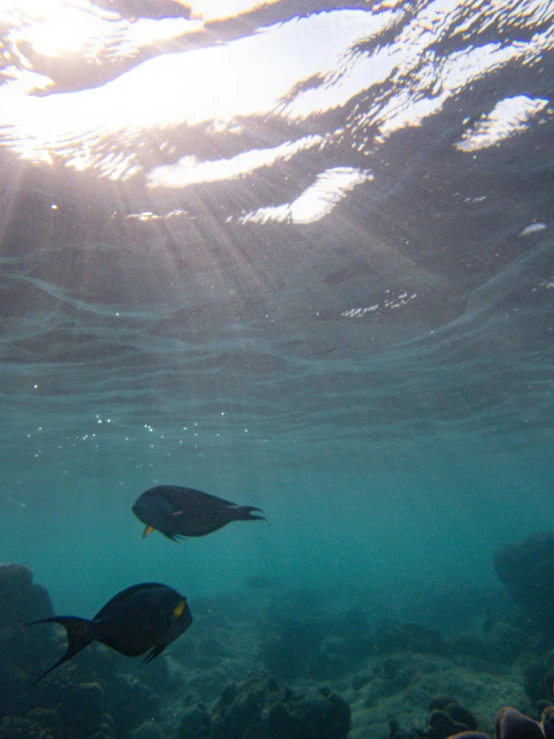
<point x="72" y="705"/>
<point x="526" y="569"/>
<point x="447" y="717"/>
<point x="509" y="723"/>
<point x="289" y="653"/>
<point x="312" y="643"/>
<point x="393" y="637"/>
<point x="260" y="708"/>
<point x="147" y="730"/>
<point x="22" y="728"/>
<point x="86" y="698"/>
<point x="130" y="702"/>
<point x="538" y="681"/>
<point x="452" y="608"/>
<point x="379" y="678"/>
<point x="196" y="723"/>
<point x="504" y="642"/>
<point x="21" y="648"/>
<point x="400" y="687"/>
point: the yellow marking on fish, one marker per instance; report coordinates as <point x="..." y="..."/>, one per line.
<point x="147" y="530"/>
<point x="179" y="609"/>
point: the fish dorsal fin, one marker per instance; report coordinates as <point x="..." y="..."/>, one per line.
<point x="147" y="530"/>
<point x="179" y="609"/>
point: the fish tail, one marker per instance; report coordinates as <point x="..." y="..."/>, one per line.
<point x="246" y="513"/>
<point x="80" y="633"/>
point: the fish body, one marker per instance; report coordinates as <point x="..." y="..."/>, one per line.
<point x="143" y="617"/>
<point x="175" y="512"/>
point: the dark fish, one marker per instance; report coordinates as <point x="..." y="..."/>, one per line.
<point x="176" y="512"/>
<point x="142" y="617"/>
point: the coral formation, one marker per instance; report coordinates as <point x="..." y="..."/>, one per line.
<point x="21" y="648"/>
<point x="504" y="642"/>
<point x="452" y="607"/>
<point x="289" y="653"/>
<point x="260" y="708"/>
<point x="509" y="723"/>
<point x="393" y="637"/>
<point x="312" y="643"/>
<point x="76" y="706"/>
<point x="79" y="699"/>
<point x="526" y="569"/>
<point x="538" y="681"/>
<point x="147" y="730"/>
<point x="196" y="723"/>
<point x="22" y="728"/>
<point x="130" y="702"/>
<point x="392" y="672"/>
<point x="447" y="717"/>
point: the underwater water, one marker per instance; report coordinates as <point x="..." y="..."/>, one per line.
<point x="299" y="256"/>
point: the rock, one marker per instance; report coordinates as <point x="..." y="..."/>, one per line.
<point x="538" y="678"/>
<point x="196" y="723"/>
<point x="504" y="642"/>
<point x="447" y="718"/>
<point x="130" y="702"/>
<point x="260" y="708"/>
<point x="290" y="652"/>
<point x="147" y="730"/>
<point x="15" y="727"/>
<point x="526" y="569"/>
<point x="394" y="637"/>
<point x="21" y="647"/>
<point x="321" y="714"/>
<point x="469" y="645"/>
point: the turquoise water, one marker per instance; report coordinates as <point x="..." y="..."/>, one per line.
<point x="418" y="519"/>
<point x="299" y="259"/>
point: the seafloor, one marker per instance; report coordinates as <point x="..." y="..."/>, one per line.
<point x="294" y="664"/>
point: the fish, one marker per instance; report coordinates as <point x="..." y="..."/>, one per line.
<point x="148" y="616"/>
<point x="176" y="512"/>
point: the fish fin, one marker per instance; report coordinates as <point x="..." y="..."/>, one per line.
<point x="246" y="513"/>
<point x="173" y="537"/>
<point x="153" y="654"/>
<point x="80" y="633"/>
<point x="147" y="530"/>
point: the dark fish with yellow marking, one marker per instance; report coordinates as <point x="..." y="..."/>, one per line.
<point x="177" y="512"/>
<point x="142" y="617"/>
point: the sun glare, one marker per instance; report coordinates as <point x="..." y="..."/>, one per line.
<point x="292" y="72"/>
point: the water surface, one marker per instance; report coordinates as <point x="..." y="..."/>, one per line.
<point x="300" y="257"/>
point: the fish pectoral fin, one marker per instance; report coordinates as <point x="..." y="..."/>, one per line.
<point x="147" y="530"/>
<point x="153" y="654"/>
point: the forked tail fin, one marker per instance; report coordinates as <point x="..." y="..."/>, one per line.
<point x="80" y="633"/>
<point x="246" y="513"/>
